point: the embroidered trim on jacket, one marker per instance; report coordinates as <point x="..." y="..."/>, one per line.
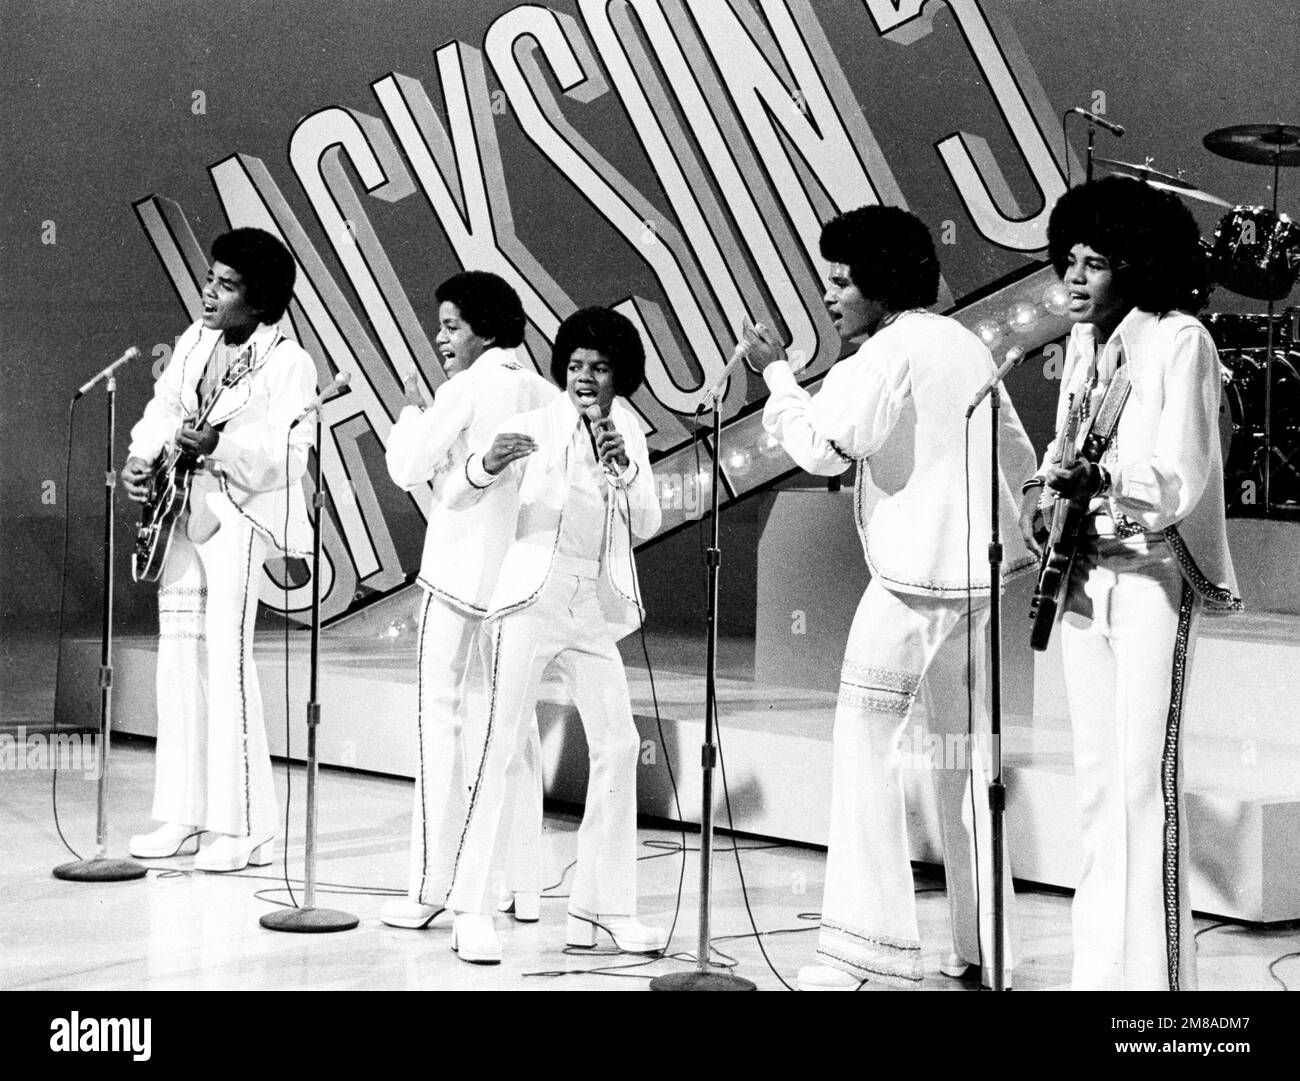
<point x="1216" y="597"/>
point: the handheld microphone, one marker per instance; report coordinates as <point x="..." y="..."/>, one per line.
<point x="1100" y="121"/>
<point x="130" y="354"/>
<point x="1014" y="356"/>
<point x="599" y="421"/>
<point x="340" y="381"/>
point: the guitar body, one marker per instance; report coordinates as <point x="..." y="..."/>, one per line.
<point x="168" y="497"/>
<point x="1054" y="571"/>
<point x="1068" y="515"/>
<point x="169" y="491"/>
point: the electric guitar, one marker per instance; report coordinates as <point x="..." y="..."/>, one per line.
<point x="169" y="487"/>
<point x="1058" y="550"/>
<point x="1068" y="513"/>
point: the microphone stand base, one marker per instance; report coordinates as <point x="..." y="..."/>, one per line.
<point x="701" y="981"/>
<point x="308" y="921"/>
<point x="101" y="870"/>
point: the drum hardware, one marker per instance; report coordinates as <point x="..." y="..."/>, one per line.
<point x="1250" y="451"/>
<point x="1277" y="145"/>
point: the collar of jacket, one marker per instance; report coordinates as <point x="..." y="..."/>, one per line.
<point x="496" y="357"/>
<point x="233" y="399"/>
<point x="1133" y="334"/>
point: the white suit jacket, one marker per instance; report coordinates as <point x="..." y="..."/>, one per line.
<point x="463" y="550"/>
<point x="1166" y="461"/>
<point x="534" y="489"/>
<point x="254" y="416"/>
<point x="897" y="407"/>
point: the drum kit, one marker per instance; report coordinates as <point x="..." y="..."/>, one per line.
<point x="1255" y="253"/>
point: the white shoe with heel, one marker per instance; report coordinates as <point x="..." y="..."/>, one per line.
<point x="169" y="839"/>
<point x="629" y="934"/>
<point x="229" y="853"/>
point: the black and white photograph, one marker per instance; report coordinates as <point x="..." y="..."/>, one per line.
<point x="622" y="495"/>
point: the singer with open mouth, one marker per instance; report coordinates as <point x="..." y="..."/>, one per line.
<point x="896" y="408"/>
<point x="577" y="476"/>
<point x="1152" y="555"/>
<point x="481" y="324"/>
<point x="237" y="369"/>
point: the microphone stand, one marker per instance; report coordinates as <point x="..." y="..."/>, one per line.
<point x="703" y="978"/>
<point x="997" y="790"/>
<point x="308" y="919"/>
<point x="102" y="868"/>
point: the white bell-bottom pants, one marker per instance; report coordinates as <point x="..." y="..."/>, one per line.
<point x="1127" y="641"/>
<point x="564" y="627"/>
<point x="869" y="923"/>
<point x="212" y="765"/>
<point x="452" y="690"/>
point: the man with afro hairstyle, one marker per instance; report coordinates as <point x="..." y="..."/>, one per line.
<point x="896" y="409"/>
<point x="1153" y="553"/>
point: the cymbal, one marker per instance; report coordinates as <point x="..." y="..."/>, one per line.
<point x="1142" y="172"/>
<point x="1190" y="193"/>
<point x="1164" y="181"/>
<point x="1258" y="144"/>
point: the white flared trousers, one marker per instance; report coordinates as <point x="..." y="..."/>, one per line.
<point x="212" y="765"/>
<point x="452" y="688"/>
<point x="869" y="924"/>
<point x="1127" y="647"/>
<point x="564" y="627"/>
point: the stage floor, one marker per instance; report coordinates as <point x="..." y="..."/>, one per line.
<point x="179" y="929"/>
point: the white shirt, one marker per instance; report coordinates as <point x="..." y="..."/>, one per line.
<point x="582" y="522"/>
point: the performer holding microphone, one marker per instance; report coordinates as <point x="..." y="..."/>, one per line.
<point x="481" y="322"/>
<point x="212" y="766"/>
<point x="896" y="408"/>
<point x="577" y="491"/>
<point x="1153" y="552"/>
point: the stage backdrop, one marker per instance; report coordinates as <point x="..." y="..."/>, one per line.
<point x="674" y="158"/>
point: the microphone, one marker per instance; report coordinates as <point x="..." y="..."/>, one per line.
<point x="1093" y="118"/>
<point x="598" y="421"/>
<point x="340" y="381"/>
<point x="737" y="355"/>
<point x="1014" y="356"/>
<point x="130" y="354"/>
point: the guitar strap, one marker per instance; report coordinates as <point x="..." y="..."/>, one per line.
<point x="1108" y="414"/>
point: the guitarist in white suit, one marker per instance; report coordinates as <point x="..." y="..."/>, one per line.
<point x="212" y="766"/>
<point x="1152" y="554"/>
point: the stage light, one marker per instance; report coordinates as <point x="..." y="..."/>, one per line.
<point x="738" y="462"/>
<point x="989" y="332"/>
<point x="769" y="446"/>
<point x="1022" y="316"/>
<point x="1056" y="298"/>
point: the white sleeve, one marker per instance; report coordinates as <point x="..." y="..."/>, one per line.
<point x="419" y="442"/>
<point x="849" y="418"/>
<point x="1163" y="489"/>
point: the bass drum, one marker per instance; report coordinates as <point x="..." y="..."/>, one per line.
<point x="1231" y="331"/>
<point x="1241" y="429"/>
<point x="1256" y="253"/>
